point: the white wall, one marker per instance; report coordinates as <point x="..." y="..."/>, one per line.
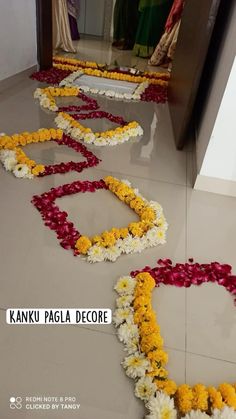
<point x="18" y="48"/>
<point x="220" y="157"/>
<point x="217" y="88"/>
<point x="216" y="145"/>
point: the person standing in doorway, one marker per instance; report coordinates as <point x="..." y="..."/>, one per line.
<point x="152" y="19"/>
<point x="125" y="23"/>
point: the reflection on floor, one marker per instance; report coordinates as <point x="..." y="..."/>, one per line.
<point x="198" y="324"/>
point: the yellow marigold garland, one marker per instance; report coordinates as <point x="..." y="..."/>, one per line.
<point x="112" y="74"/>
<point x="46" y="95"/>
<point x="10" y="150"/>
<point x="150" y="346"/>
<point x="115" y="136"/>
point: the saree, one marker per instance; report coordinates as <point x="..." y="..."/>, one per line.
<point x="73" y="12"/>
<point x="165" y="49"/>
<point x="125" y="20"/>
<point x="152" y="19"/>
<point x="61" y="28"/>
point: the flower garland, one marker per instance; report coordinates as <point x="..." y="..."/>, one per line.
<point x="76" y="62"/>
<point x="55" y="76"/>
<point x="73" y="65"/>
<point x="46" y="98"/>
<point x="119" y="135"/>
<point x="52" y="76"/>
<point x="136" y="95"/>
<point x="148" y="232"/>
<point x="16" y="161"/>
<point x="114" y="75"/>
<point x="146" y="361"/>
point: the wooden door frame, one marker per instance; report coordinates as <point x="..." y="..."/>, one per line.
<point x="44" y="33"/>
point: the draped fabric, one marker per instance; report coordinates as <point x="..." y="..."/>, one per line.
<point x="165" y="49"/>
<point x="175" y="14"/>
<point x="73" y="10"/>
<point x="152" y="19"/>
<point x="61" y="27"/>
<point x="125" y="20"/>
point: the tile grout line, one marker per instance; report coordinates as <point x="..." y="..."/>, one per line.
<point x="140" y="177"/>
<point x="167" y="347"/>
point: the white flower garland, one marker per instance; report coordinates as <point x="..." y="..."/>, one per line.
<point x="44" y="100"/>
<point x="136" y="365"/>
<point x="119" y="135"/>
<point x="136" y="95"/>
<point x="10" y="163"/>
<point x="154" y="237"/>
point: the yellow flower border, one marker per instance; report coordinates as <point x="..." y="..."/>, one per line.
<point x="16" y="141"/>
<point x="187" y="398"/>
<point x="95" y="71"/>
<point x="135" y="230"/>
<point x="46" y="95"/>
<point x="77" y="63"/>
<point x="118" y="135"/>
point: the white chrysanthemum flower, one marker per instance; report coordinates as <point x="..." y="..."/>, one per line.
<point x="133" y="245"/>
<point x="152" y="237"/>
<point x="196" y="414"/>
<point x="136" y="365"/>
<point x="89" y="137"/>
<point x="124" y="301"/>
<point x="136" y="96"/>
<point x="127" y="332"/>
<point x="132" y="346"/>
<point x="37" y="93"/>
<point x="119" y="95"/>
<point x="94" y="90"/>
<point x="100" y="141"/>
<point x="161" y="407"/>
<point x="122" y="315"/>
<point x="128" y="96"/>
<point x="102" y="92"/>
<point x="112" y="253"/>
<point x="21" y="170"/>
<point x="126" y="182"/>
<point x="85" y="88"/>
<point x="225" y="413"/>
<point x="10" y="163"/>
<point x="5" y="154"/>
<point x="96" y="254"/>
<point x="145" y="388"/>
<point x="45" y="102"/>
<point x="110" y="93"/>
<point x="125" y="285"/>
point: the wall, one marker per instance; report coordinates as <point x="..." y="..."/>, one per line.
<point x="218" y="86"/>
<point x="18" y="48"/>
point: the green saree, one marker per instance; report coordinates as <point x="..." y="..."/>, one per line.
<point x="152" y="19"/>
<point x="125" y="20"/>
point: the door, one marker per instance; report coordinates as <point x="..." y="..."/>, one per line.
<point x="194" y="38"/>
<point x="91" y="18"/>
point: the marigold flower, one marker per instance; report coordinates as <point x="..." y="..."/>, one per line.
<point x="215" y="398"/>
<point x="200" y="397"/>
<point x="83" y="244"/>
<point x="184" y="398"/>
<point x="38" y="169"/>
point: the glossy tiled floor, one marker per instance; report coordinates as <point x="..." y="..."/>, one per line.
<point x="198" y="324"/>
